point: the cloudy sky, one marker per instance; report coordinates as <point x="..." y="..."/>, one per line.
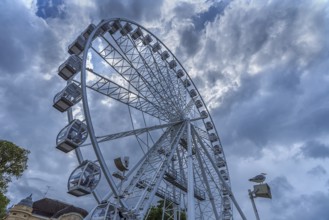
<point x="261" y="66"/>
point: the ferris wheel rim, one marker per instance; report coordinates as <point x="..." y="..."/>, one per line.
<point x="87" y="115"/>
<point x="86" y="105"/>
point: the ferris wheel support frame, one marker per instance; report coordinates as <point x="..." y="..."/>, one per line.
<point x="203" y="173"/>
<point x="220" y="176"/>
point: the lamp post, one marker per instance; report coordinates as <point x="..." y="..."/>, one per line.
<point x="260" y="190"/>
<point x="251" y="196"/>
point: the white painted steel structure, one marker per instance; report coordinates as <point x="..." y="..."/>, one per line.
<point x="176" y="156"/>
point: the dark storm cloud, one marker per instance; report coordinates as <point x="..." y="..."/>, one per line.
<point x="26" y="38"/>
<point x="13" y="57"/>
<point x="315" y="149"/>
<point x="190" y="41"/>
<point x="216" y="9"/>
<point x="191" y="35"/>
<point x="50" y="9"/>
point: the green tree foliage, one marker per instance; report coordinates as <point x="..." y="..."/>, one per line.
<point x="156" y="212"/>
<point x="13" y="162"/>
<point x="3" y="204"/>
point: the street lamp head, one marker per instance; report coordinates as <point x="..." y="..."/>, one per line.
<point x="262" y="190"/>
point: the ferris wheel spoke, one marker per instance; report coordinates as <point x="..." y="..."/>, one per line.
<point x="139" y="140"/>
<point x="163" y="78"/>
<point x="164" y="72"/>
<point x="131" y="74"/>
<point x="187" y="109"/>
<point x="219" y="175"/>
<point x="135" y="132"/>
<point x="206" y="167"/>
<point x="113" y="90"/>
<point x="162" y="75"/>
<point x="139" y="55"/>
<point x="205" y="179"/>
<point x="202" y="133"/>
<point x="219" y="191"/>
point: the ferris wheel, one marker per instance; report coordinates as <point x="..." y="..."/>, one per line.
<point x="140" y="129"/>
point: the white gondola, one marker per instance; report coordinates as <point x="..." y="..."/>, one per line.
<point x="172" y="64"/>
<point x="156" y="46"/>
<point x="180" y="73"/>
<point x="71" y="136"/>
<point x="147" y="39"/>
<point x="204" y="114"/>
<point x="86" y="33"/>
<point x="224" y="191"/>
<point x="84" y="179"/>
<point x="126" y="29"/>
<point x="198" y="103"/>
<point x="104" y="28"/>
<point x="77" y="46"/>
<point x="70" y="67"/>
<point x="118" y="175"/>
<point x="161" y="150"/>
<point x="165" y="55"/>
<point x="115" y="26"/>
<point x="220" y="162"/>
<point x="68" y="97"/>
<point x="187" y="83"/>
<point x="137" y="33"/>
<point x="106" y="211"/>
<point x="217" y="149"/>
<point x="224" y="174"/>
<point x="122" y="163"/>
<point x="209" y="125"/>
<point x="199" y="194"/>
<point x="226" y="203"/>
<point x="213" y="137"/>
<point x="183" y="143"/>
<point x="193" y="93"/>
<point x="227" y="215"/>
